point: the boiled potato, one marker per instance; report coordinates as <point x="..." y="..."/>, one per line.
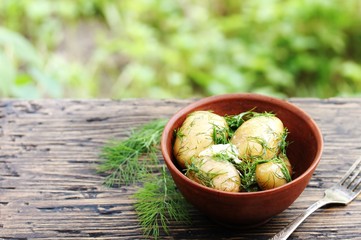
<point x="196" y="134"/>
<point x="271" y="175"/>
<point x="214" y="173"/>
<point x="287" y="162"/>
<point x="228" y="151"/>
<point x="259" y="136"/>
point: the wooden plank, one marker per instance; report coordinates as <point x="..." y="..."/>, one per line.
<point x="49" y="188"/>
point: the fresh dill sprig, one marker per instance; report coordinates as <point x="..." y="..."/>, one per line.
<point x="285" y="172"/>
<point x="158" y="203"/>
<point x="235" y="121"/>
<point x="123" y="160"/>
<point x="219" y="135"/>
<point x="284" y="143"/>
<point x="247" y="171"/>
<point x="135" y="161"/>
<point x="195" y="172"/>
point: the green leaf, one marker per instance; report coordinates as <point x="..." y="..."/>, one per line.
<point x="16" y="44"/>
<point x="351" y="70"/>
<point x="7" y="74"/>
<point x="50" y="87"/>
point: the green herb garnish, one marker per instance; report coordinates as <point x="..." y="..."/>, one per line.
<point x="247" y="170"/>
<point x="123" y="162"/>
<point x="284" y="143"/>
<point x="135" y="161"/>
<point x="194" y="171"/>
<point x="219" y="135"/>
<point x="235" y="121"/>
<point x="158" y="203"/>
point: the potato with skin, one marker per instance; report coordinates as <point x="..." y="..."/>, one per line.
<point x="196" y="134"/>
<point x="270" y="175"/>
<point x="229" y="151"/>
<point x="287" y="162"/>
<point x="259" y="136"/>
<point x="214" y="173"/>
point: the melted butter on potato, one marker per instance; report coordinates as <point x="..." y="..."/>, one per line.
<point x="195" y="135"/>
<point x="229" y="151"/>
<point x="217" y="174"/>
<point x="259" y="136"/>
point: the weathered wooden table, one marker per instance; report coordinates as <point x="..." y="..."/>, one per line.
<point x="49" y="188"/>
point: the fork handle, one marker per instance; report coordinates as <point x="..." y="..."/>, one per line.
<point x="287" y="231"/>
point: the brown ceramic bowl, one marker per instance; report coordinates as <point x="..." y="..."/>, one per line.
<point x="249" y="209"/>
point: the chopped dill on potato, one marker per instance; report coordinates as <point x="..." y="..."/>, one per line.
<point x="214" y="173"/>
<point x="284" y="143"/>
<point x="195" y="172"/>
<point x="220" y="135"/>
<point x="247" y="170"/>
<point x="235" y="121"/>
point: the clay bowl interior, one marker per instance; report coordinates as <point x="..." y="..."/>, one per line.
<point x="246" y="209"/>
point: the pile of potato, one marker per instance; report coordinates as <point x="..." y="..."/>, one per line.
<point x="248" y="156"/>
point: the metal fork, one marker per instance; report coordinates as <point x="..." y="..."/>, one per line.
<point x="343" y="193"/>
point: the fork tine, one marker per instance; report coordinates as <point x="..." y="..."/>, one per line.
<point x="356" y="174"/>
<point x="350" y="171"/>
<point x="358" y="184"/>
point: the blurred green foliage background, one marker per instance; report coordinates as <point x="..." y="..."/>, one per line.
<point x="179" y="48"/>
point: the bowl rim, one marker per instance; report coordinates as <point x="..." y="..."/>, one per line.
<point x="251" y="96"/>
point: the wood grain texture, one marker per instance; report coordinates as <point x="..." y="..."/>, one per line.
<point x="49" y="188"/>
